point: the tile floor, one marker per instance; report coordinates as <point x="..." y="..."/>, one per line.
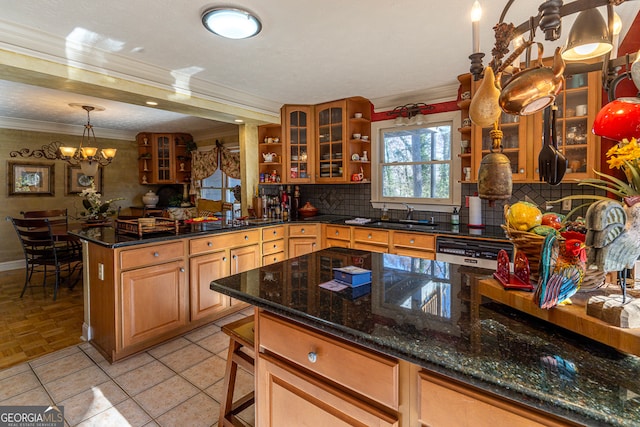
<point x="177" y="383"/>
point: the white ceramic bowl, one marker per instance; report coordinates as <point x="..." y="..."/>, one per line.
<point x="356" y="136"/>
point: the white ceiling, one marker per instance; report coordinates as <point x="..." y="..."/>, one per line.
<point x="308" y="52"/>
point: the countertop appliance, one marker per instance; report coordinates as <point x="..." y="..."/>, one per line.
<point x="473" y="252"/>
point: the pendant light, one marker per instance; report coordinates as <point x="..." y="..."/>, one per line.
<point x="588" y="38"/>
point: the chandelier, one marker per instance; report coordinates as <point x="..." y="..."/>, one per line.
<point x="88" y="156"/>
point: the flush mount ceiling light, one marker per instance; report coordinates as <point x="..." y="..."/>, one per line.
<point x="231" y="23"/>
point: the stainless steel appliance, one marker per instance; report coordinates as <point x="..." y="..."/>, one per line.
<point x="469" y="251"/>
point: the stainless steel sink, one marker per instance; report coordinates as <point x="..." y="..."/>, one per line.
<point x="406" y="225"/>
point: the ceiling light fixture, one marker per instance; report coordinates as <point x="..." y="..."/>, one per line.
<point x="87" y="155"/>
<point x="231" y="23"/>
<point x="410" y="114"/>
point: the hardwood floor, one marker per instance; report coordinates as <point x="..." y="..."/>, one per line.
<point x="35" y="324"/>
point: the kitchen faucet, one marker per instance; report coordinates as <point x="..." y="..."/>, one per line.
<point x="409" y="211"/>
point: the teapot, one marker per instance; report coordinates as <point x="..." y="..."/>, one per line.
<point x="269" y="157"/>
<point x="534" y="89"/>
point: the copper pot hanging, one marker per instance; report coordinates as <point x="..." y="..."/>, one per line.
<point x="494" y="176"/>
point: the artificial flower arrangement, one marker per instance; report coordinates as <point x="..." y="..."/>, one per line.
<point x="96" y="208"/>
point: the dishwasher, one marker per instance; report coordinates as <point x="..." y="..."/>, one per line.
<point x="472" y="252"/>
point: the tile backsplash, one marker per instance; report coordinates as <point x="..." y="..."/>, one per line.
<point x="354" y="200"/>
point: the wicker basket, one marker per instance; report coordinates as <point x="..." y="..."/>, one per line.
<point x="531" y="245"/>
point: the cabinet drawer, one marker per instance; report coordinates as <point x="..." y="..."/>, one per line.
<point x="156" y="254"/>
<point x="367" y="373"/>
<point x="441" y="400"/>
<point x="272" y="233"/>
<point x="333" y="243"/>
<point x="414" y="240"/>
<point x="272" y="247"/>
<point x="241" y="238"/>
<point x="338" y="232"/>
<point x="303" y="230"/>
<point x="369" y="235"/>
<point x="273" y="258"/>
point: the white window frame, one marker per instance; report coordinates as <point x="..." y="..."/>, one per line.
<point x="419" y="204"/>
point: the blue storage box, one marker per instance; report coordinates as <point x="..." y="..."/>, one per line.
<point x="352" y="275"/>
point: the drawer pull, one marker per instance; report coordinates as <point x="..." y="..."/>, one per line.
<point x="337" y="233"/>
<point x="209" y="244"/>
<point x="312" y="356"/>
<point x="275" y="232"/>
<point x="302" y="230"/>
<point x="246" y="237"/>
<point x="369" y="236"/>
<point x="275" y="246"/>
<point x="412" y="241"/>
<point x="156" y="254"/>
<point x="275" y="259"/>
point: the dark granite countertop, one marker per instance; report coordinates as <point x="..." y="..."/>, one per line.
<point x="428" y="313"/>
<point x="107" y="236"/>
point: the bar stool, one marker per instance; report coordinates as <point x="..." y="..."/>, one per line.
<point x="241" y="335"/>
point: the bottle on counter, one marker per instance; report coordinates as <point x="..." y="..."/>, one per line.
<point x="455" y="217"/>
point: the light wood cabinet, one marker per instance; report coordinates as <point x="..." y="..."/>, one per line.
<point x="273" y="244"/>
<point x="271" y="154"/>
<point x="154" y="301"/>
<point x="336" y="236"/>
<point x="578" y="103"/>
<point x="370" y="239"/>
<point x="203" y="269"/>
<point x="339" y="149"/>
<point x="418" y="245"/>
<point x="445" y="403"/>
<point x="163" y="158"/>
<point x="303" y="239"/>
<point x="298" y="125"/>
<point x="345" y="380"/>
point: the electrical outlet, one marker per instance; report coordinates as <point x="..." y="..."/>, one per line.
<point x="100" y="271"/>
<point x="566" y="205"/>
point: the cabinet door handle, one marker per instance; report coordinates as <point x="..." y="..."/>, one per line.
<point x="181" y="269"/>
<point x="312" y="356"/>
<point x="313" y="245"/>
<point x="209" y="244"/>
<point x="224" y="258"/>
<point x="156" y="254"/>
<point x="235" y="256"/>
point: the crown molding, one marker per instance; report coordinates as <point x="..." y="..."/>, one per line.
<point x="36" y="44"/>
<point x="64" y="129"/>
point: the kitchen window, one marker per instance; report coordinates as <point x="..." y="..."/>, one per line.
<point x="219" y="186"/>
<point x="417" y="165"/>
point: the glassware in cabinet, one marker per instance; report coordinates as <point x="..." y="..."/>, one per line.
<point x="331" y="141"/>
<point x="467" y="168"/>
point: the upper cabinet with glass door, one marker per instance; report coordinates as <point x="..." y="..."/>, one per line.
<point x="578" y="105"/>
<point x="515" y="143"/>
<point x="298" y="133"/>
<point x="343" y="141"/>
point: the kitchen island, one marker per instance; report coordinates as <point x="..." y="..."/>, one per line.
<point x="429" y="315"/>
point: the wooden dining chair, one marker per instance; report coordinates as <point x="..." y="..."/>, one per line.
<point x="55" y="216"/>
<point x="208" y="207"/>
<point x="44" y="253"/>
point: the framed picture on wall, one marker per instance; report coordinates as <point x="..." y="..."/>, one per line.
<point x="31" y="179"/>
<point x="76" y="181"/>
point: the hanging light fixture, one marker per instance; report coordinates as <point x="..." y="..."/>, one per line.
<point x="588" y="38"/>
<point x="88" y="156"/>
<point x="410" y="114"/>
<point x="232" y="23"/>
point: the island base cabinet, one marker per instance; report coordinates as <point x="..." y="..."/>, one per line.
<point x="154" y="301"/>
<point x="444" y="403"/>
<point x="289" y="397"/>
